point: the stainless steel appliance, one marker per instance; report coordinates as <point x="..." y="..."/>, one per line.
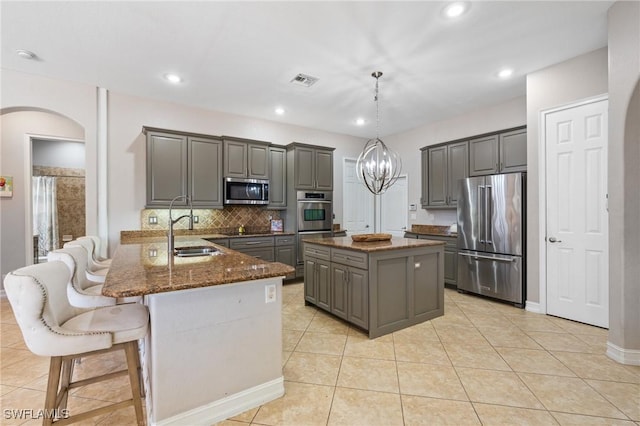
<point x="491" y="230"/>
<point x="314" y="217"/>
<point x="246" y="191"/>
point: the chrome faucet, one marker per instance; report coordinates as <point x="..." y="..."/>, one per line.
<point x="172" y="221"/>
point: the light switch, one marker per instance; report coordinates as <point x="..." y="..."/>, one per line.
<point x="195" y="219"/>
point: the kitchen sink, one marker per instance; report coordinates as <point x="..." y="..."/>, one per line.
<point x="195" y="251"/>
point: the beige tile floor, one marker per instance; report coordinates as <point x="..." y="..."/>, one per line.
<point x="482" y="363"/>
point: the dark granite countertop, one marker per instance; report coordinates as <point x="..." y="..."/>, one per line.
<point x="143" y="268"/>
<point x="395" y="243"/>
<point x="441" y="230"/>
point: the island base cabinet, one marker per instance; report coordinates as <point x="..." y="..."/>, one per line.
<point x="358" y="297"/>
<point x="350" y="294"/>
<point x="398" y="288"/>
<point x="212" y="352"/>
<point x="317" y="279"/>
<point x="405" y="290"/>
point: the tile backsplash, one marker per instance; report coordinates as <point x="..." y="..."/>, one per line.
<point x="255" y="218"/>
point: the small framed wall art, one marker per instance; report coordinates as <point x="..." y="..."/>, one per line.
<point x="6" y="186"/>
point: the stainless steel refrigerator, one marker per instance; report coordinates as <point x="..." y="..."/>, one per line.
<point x="491" y="231"/>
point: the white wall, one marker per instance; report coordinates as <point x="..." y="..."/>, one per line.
<point x="578" y="78"/>
<point x="127" y="115"/>
<point x="624" y="179"/>
<point x="58" y="153"/>
<point x="126" y="154"/>
<point x="498" y="117"/>
<point x="14" y="145"/>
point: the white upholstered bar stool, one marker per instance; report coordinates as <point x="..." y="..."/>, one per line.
<point x="97" y="245"/>
<point x="82" y="292"/>
<point x="53" y="328"/>
<point x="94" y="271"/>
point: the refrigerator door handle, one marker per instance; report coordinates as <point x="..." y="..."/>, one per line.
<point x="488" y="212"/>
<point x="480" y="211"/>
<point x="494" y="258"/>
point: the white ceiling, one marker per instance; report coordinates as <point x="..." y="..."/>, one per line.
<point x="239" y="57"/>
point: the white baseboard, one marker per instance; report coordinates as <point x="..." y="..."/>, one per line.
<point x="229" y="406"/>
<point x="622" y="355"/>
<point x="533" y="307"/>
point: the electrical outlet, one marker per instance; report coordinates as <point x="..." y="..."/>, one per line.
<point x="196" y="219"/>
<point x="153" y="220"/>
<point x="270" y="293"/>
<point x="153" y="253"/>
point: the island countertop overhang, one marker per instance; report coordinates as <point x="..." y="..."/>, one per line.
<point x="143" y="268"/>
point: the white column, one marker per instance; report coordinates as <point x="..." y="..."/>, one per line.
<point x="102" y="140"/>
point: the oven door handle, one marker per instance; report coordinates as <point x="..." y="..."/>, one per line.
<point x="314" y="202"/>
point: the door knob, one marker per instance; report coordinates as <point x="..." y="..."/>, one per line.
<point x="554" y="240"/>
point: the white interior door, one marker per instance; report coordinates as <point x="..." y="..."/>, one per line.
<point x="393" y="208"/>
<point x="577" y="219"/>
<point x="358" y="213"/>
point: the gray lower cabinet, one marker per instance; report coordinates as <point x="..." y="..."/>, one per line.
<point x="450" y="257"/>
<point x="244" y="158"/>
<point x="183" y="164"/>
<point x="380" y="292"/>
<point x="224" y="242"/>
<point x="350" y="294"/>
<point x="260" y="247"/>
<point x="277" y="178"/>
<point x="285" y="248"/>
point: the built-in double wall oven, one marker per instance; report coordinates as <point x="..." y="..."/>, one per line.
<point x="314" y="218"/>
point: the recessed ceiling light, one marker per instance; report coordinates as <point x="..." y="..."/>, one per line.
<point x="360" y="121"/>
<point x="26" y="54"/>
<point x="455" y="10"/>
<point x="279" y="110"/>
<point x="173" y="78"/>
<point x="505" y="73"/>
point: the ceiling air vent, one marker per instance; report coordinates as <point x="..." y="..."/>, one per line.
<point x="304" y="80"/>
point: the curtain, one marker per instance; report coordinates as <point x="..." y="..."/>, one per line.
<point x="45" y="213"/>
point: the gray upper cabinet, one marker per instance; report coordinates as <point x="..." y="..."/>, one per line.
<point x="483" y="156"/>
<point x="278" y="178"/>
<point x="244" y="158"/>
<point x="324" y="170"/>
<point x="205" y="165"/>
<point x="445" y="165"/>
<point x="424" y="183"/>
<point x="437" y="176"/>
<point x="513" y="151"/>
<point x="166" y="168"/>
<point x="182" y="164"/>
<point x="312" y="167"/>
<point x="499" y="153"/>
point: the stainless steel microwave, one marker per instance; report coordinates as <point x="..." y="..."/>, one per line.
<point x="246" y="191"/>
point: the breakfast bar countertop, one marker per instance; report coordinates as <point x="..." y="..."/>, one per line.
<point x="395" y="243"/>
<point x="143" y="268"/>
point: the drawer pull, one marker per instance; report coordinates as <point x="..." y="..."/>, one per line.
<point x="253" y="243"/>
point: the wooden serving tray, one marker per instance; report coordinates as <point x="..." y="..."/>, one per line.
<point x="371" y="237"/>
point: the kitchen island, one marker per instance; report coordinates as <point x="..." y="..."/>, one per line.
<point x="380" y="286"/>
<point x="214" y="347"/>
